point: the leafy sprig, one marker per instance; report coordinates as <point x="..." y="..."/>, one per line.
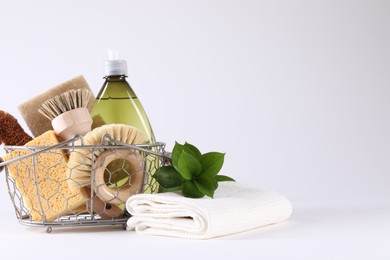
<point x="192" y="172"/>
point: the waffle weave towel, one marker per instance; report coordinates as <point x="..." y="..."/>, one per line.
<point x="235" y="208"/>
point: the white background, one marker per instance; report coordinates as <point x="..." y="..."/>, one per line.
<point x="297" y="93"/>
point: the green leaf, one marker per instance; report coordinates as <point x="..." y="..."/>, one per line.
<point x="211" y="163"/>
<point x="171" y="189"/>
<point x="215" y="182"/>
<point x="168" y="177"/>
<point x="193" y="150"/>
<point x="176" y="152"/>
<point x="205" y="185"/>
<point x="224" y="178"/>
<point x="190" y="190"/>
<point x="196" y="175"/>
<point x="188" y="165"/>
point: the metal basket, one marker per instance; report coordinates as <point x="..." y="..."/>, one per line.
<point x="44" y="193"/>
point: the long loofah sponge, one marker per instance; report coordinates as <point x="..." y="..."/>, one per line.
<point x="11" y="133"/>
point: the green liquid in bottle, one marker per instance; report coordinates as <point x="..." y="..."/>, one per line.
<point x="116" y="103"/>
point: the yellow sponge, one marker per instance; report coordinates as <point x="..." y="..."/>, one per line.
<point x="45" y="194"/>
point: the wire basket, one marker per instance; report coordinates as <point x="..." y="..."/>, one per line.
<point x="71" y="184"/>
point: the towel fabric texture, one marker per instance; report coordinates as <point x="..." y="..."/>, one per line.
<point x="235" y="208"/>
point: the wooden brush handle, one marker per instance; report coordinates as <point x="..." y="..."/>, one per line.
<point x="119" y="195"/>
<point x="104" y="210"/>
<point x="74" y="122"/>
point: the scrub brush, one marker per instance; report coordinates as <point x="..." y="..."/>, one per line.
<point x="68" y="113"/>
<point x="82" y="162"/>
<point x="11" y="133"/>
<point x="70" y="116"/>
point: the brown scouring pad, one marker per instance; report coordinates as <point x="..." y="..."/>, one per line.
<point x="11" y="133"/>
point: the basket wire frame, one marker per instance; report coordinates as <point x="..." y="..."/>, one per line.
<point x="30" y="162"/>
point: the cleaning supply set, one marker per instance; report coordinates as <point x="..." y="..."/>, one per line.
<point x="71" y="173"/>
<point x="95" y="161"/>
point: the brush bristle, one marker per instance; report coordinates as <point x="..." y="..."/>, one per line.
<point x="72" y="99"/>
<point x="11" y="133"/>
<point x="80" y="161"/>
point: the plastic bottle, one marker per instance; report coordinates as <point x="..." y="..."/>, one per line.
<point x="116" y="102"/>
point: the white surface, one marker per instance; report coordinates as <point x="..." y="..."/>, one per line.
<point x="315" y="231"/>
<point x="295" y="92"/>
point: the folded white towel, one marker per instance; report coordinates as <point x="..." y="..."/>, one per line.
<point x="235" y="208"/>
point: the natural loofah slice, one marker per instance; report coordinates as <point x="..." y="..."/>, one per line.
<point x="46" y="193"/>
<point x="80" y="161"/>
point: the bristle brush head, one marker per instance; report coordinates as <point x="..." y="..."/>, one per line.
<point x="11" y="133"/>
<point x="120" y="164"/>
<point x="68" y="113"/>
<point x="72" y="99"/>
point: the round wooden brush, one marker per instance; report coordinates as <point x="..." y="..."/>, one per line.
<point x="68" y="113"/>
<point x="80" y="163"/>
<point x="70" y="116"/>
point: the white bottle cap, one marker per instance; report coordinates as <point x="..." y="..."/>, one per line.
<point x="114" y="66"/>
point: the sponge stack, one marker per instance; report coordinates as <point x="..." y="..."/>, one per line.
<point x="45" y="194"/>
<point x="37" y="123"/>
